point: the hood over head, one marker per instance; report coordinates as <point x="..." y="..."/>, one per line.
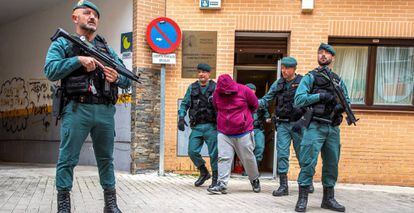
<point x="226" y="85"/>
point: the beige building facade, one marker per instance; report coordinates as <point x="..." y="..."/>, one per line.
<point x="375" y="45"/>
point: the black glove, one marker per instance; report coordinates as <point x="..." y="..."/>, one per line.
<point x="337" y="120"/>
<point x="181" y="123"/>
<point x="339" y="109"/>
<point x="326" y="97"/>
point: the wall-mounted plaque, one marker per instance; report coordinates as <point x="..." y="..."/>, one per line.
<point x="198" y="47"/>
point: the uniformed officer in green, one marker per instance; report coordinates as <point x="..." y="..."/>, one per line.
<point x="316" y="91"/>
<point x="198" y="102"/>
<point x="91" y="91"/>
<point x="283" y="91"/>
<point x="262" y="115"/>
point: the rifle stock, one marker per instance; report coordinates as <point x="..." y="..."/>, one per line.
<point x="96" y="54"/>
<point x="306" y="119"/>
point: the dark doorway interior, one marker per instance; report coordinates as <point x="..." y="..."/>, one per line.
<point x="256" y="58"/>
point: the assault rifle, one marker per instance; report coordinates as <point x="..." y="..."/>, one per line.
<point x="350" y="116"/>
<point x="93" y="52"/>
<point x="304" y="121"/>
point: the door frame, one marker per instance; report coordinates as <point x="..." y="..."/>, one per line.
<point x="279" y="74"/>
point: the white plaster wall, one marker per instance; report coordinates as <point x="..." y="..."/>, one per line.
<point x="24" y="42"/>
<point x="23" y="46"/>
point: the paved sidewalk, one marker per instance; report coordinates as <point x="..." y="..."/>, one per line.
<point x="30" y="188"/>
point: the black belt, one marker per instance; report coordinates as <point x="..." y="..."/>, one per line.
<point x="89" y="99"/>
<point x="283" y="120"/>
<point x="321" y="120"/>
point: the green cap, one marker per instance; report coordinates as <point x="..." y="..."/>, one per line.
<point x="328" y="48"/>
<point x="289" y="62"/>
<point x="251" y="86"/>
<point x="204" y="67"/>
<point x="86" y="3"/>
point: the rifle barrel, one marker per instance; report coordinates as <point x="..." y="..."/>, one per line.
<point x="102" y="57"/>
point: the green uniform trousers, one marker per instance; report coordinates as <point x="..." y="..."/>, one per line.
<point x="317" y="138"/>
<point x="259" y="139"/>
<point x="199" y="134"/>
<point x="98" y="120"/>
<point x="285" y="135"/>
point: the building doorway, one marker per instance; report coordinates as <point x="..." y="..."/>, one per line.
<point x="256" y="59"/>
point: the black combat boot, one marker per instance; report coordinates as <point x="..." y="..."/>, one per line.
<point x="204" y="175"/>
<point x="302" y="199"/>
<point x="311" y="188"/>
<point x="329" y="202"/>
<point x="110" y="201"/>
<point x="256" y="185"/>
<point x="63" y="201"/>
<point x="283" y="189"/>
<point x="214" y="179"/>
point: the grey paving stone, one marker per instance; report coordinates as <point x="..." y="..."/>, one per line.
<point x="31" y="188"/>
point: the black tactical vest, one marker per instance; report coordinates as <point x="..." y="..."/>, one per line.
<point x="90" y="87"/>
<point x="285" y="98"/>
<point x="202" y="110"/>
<point x="322" y="84"/>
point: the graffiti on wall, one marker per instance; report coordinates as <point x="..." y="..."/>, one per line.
<point x="39" y="90"/>
<point x="26" y="105"/>
<point x="23" y="103"/>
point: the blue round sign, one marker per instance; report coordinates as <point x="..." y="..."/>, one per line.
<point x="163" y="35"/>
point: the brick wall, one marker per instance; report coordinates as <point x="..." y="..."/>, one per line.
<point x="377" y="151"/>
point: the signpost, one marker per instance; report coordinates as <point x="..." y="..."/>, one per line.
<point x="163" y="36"/>
<point x="278" y="75"/>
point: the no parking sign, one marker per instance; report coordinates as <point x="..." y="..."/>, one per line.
<point x="163" y="35"/>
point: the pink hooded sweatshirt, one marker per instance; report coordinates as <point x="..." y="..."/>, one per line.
<point x="234" y="104"/>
